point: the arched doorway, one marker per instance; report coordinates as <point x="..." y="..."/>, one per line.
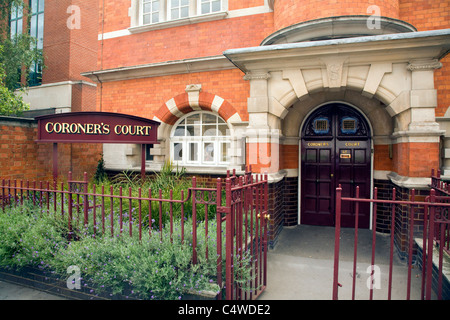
<point x="335" y="150"/>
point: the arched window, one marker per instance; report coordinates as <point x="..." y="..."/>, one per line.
<point x="202" y="139"/>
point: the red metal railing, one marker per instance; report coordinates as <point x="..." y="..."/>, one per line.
<point x="433" y="208"/>
<point x="244" y="206"/>
<point x="442" y="232"/>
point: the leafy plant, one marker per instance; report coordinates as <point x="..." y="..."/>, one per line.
<point x="158" y="266"/>
<point x="100" y="173"/>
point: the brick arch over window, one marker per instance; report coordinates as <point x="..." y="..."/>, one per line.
<point x="175" y="108"/>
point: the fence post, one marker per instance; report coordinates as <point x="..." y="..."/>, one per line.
<point x="410" y="245"/>
<point x="336" y="243"/>
<point x="219" y="234"/>
<point x="3" y="195"/>
<point x="391" y="252"/>
<point x="194" y="221"/>
<point x="69" y="187"/>
<point x="85" y="201"/>
<point x="229" y="243"/>
<point x="429" y="272"/>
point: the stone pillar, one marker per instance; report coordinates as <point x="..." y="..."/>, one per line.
<point x="416" y="149"/>
<point x="263" y="133"/>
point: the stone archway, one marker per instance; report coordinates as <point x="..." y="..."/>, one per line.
<point x="194" y="99"/>
<point x="396" y="70"/>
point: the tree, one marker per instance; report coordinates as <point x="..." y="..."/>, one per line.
<point x="11" y="104"/>
<point x="18" y="53"/>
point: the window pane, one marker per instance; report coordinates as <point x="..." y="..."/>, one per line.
<point x="209" y="130"/>
<point x="193" y="151"/>
<point x="180" y="131"/>
<point x="205" y="8"/>
<point x="147" y="7"/>
<point x="204" y="143"/>
<point x="184" y="2"/>
<point x="225" y="154"/>
<point x="192" y="131"/>
<point x="174" y="14"/>
<point x="223" y="130"/>
<point x="41" y="5"/>
<point x="175" y="3"/>
<point x="40" y="31"/>
<point x="34" y="6"/>
<point x="13" y="28"/>
<point x="209" y="118"/>
<point x="194" y="119"/>
<point x="208" y="152"/>
<point x="13" y="12"/>
<point x="19" y="26"/>
<point x="215" y="6"/>
<point x="184" y="12"/>
<point x="177" y="151"/>
<point x="33" y="26"/>
<point x="150" y="10"/>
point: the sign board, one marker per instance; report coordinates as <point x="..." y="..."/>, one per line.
<point x="96" y="127"/>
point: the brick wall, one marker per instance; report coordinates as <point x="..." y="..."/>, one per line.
<point x="290" y="201"/>
<point x="431" y="15"/>
<point x="69" y="51"/>
<point x="189" y="41"/>
<point x="22" y="158"/>
<point x="144" y="97"/>
<point x="289" y="12"/>
<point x="276" y="212"/>
<point x="70" y="47"/>
<point x="406" y="158"/>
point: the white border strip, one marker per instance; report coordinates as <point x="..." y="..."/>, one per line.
<point x="231" y="14"/>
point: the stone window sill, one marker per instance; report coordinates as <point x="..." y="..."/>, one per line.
<point x="179" y="22"/>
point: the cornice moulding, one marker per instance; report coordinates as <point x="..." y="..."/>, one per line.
<point x="202" y="64"/>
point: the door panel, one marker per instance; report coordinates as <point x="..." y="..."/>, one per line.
<point x="353" y="170"/>
<point x="317" y="182"/>
<point x="335" y="151"/>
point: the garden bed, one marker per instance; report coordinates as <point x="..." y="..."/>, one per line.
<point x="48" y="282"/>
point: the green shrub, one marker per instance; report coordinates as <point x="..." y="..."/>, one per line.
<point x="29" y="237"/>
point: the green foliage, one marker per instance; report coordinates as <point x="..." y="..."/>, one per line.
<point x="29" y="237"/>
<point x="100" y="174"/>
<point x="159" y="266"/>
<point x="10" y="104"/>
<point x="170" y="180"/>
<point x="17" y="55"/>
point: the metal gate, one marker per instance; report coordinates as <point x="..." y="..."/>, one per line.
<point x="427" y="236"/>
<point x="245" y="214"/>
<point x="240" y="204"/>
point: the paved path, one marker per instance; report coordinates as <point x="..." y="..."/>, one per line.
<point x="10" y="291"/>
<point x="300" y="267"/>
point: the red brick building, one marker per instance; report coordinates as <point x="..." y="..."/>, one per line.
<point x="66" y="30"/>
<point x="318" y="93"/>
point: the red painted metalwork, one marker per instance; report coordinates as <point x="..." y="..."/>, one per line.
<point x="435" y="212"/>
<point x="245" y="214"/>
<point x="442" y="235"/>
<point x="96" y="127"/>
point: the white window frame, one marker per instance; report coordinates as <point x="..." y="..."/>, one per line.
<point x="179" y="9"/>
<point x="141" y="11"/>
<point x="210" y="2"/>
<point x="165" y="19"/>
<point x="187" y="141"/>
